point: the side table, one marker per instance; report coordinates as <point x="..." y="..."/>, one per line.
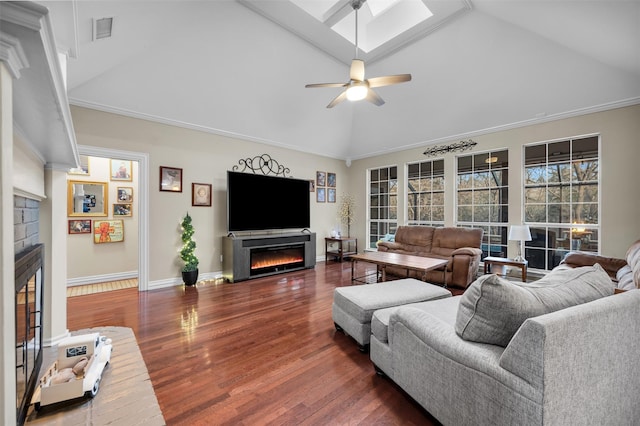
<point x="343" y="247"/>
<point x="503" y="261"/>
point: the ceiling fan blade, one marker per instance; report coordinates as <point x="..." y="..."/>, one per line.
<point x="357" y="70"/>
<point x="374" y="98"/>
<point x="341" y="97"/>
<point x="326" y="85"/>
<point x="388" y="80"/>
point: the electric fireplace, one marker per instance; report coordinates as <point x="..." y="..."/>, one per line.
<point x="253" y="256"/>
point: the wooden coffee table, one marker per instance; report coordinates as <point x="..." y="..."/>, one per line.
<point x="410" y="263"/>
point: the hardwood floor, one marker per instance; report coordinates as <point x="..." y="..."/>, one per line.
<point x="81" y="290"/>
<point x="263" y="351"/>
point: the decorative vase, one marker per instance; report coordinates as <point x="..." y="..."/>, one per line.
<point x="190" y="277"/>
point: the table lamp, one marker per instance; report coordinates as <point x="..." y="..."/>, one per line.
<point x="519" y="233"/>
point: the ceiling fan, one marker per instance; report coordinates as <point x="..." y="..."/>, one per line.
<point x="358" y="88"/>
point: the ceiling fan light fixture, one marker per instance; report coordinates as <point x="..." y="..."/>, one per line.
<point x="357" y="88"/>
<point x="357" y="92"/>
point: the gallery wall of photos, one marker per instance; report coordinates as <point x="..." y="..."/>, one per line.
<point x="325" y="187"/>
<point x="99" y="202"/>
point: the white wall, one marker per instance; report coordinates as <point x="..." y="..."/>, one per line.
<point x="28" y="170"/>
<point x="204" y="158"/>
<point x="620" y="153"/>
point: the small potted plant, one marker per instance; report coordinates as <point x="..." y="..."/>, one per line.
<point x="190" y="268"/>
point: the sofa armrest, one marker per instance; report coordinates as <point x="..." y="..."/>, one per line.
<point x="573" y="351"/>
<point x="576" y="259"/>
<point x="389" y="246"/>
<point x="471" y="251"/>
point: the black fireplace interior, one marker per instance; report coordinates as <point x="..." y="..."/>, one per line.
<point x="274" y="259"/>
<point x="28" y="310"/>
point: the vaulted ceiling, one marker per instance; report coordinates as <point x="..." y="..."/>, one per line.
<point x="239" y="68"/>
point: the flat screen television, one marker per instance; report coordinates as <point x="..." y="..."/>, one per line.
<point x="258" y="202"/>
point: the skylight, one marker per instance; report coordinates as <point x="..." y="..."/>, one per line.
<point x="379" y="21"/>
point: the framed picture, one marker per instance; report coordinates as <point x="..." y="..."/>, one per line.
<point x="125" y="194"/>
<point x="122" y="209"/>
<point x="331" y="180"/>
<point x="331" y="195"/>
<point x="84" y="167"/>
<point x="320" y="195"/>
<point x="108" y="231"/>
<point x="312" y="185"/>
<point x="201" y="194"/>
<point x="321" y="179"/>
<point x="80" y="226"/>
<point x="170" y="179"/>
<point x="120" y="170"/>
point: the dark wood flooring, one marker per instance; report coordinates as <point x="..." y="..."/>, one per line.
<point x="263" y="351"/>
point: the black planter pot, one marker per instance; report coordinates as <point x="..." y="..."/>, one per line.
<point x="190" y="278"/>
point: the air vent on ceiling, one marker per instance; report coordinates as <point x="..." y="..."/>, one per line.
<point x="102" y="28"/>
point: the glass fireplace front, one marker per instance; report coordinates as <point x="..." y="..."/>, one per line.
<point x="29" y="278"/>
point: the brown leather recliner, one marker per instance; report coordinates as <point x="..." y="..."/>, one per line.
<point x="625" y="273"/>
<point x="461" y="246"/>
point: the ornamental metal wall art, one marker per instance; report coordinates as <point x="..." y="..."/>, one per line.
<point x="452" y="147"/>
<point x="263" y="164"/>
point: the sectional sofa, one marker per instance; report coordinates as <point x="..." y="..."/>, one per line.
<point x="563" y="350"/>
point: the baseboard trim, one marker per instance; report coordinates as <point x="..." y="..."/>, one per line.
<point x="94" y="279"/>
<point x="176" y="281"/>
<point x="53" y="341"/>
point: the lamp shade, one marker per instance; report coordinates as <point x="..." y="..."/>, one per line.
<point x="519" y="233"/>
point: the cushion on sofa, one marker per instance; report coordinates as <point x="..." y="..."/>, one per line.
<point x="493" y="308"/>
<point x="444" y="309"/>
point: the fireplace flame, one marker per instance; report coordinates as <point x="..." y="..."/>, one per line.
<point x="276" y="261"/>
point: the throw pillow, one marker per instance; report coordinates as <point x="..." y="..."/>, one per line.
<point x="492" y="308"/>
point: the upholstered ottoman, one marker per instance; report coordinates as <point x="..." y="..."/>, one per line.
<point x="354" y="306"/>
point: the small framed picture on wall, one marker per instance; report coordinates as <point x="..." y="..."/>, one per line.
<point x="122" y="209"/>
<point x="125" y="194"/>
<point x="331" y="180"/>
<point x="170" y="179"/>
<point x="82" y="226"/>
<point x="108" y="231"/>
<point x="321" y="179"/>
<point x="331" y="195"/>
<point x="312" y="185"/>
<point x="121" y="170"/>
<point x="321" y="195"/>
<point x="201" y="194"/>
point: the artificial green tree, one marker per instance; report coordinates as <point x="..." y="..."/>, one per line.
<point x="187" y="252"/>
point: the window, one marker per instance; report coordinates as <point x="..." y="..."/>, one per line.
<point x="483" y="197"/>
<point x="425" y="193"/>
<point x="561" y="185"/>
<point x="383" y="203"/>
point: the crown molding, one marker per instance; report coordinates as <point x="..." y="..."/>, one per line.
<point x="538" y="120"/>
<point x="185" y="125"/>
<point x="12" y="53"/>
<point x="515" y="125"/>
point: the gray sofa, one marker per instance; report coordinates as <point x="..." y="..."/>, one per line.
<point x="576" y="364"/>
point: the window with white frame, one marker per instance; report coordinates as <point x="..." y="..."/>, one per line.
<point x="561" y="202"/>
<point x="383" y="203"/>
<point x="483" y="198"/>
<point x="425" y="193"/>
